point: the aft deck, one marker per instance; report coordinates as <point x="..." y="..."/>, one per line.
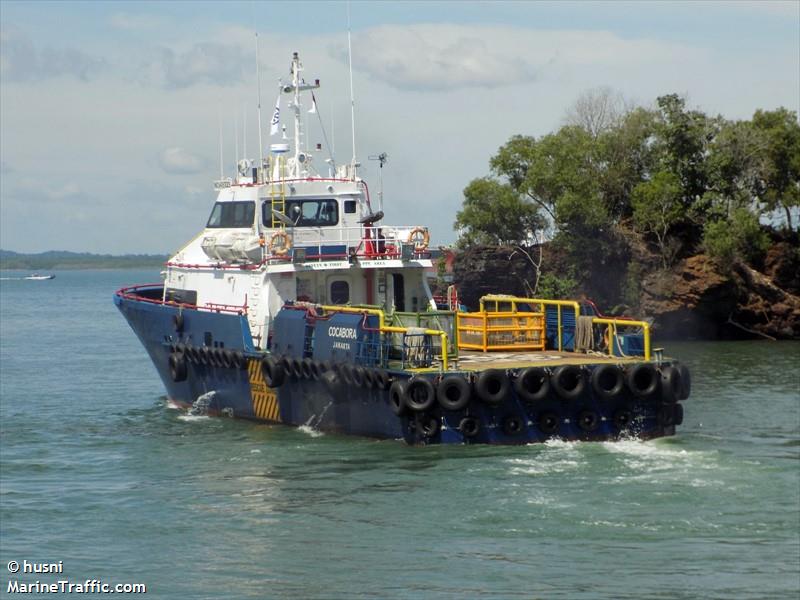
<point x="469" y="360"/>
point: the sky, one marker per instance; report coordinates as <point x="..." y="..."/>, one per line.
<point x="110" y="112"/>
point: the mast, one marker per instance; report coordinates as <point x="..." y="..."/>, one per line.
<point x="296" y="68"/>
<point x="352" y="97"/>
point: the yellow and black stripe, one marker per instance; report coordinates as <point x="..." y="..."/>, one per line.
<point x="265" y="400"/>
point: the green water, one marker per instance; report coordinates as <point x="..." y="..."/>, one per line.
<point x="96" y="471"/>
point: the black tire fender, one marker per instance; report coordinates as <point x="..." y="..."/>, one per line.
<point x="642" y="379"/>
<point x="686" y="382"/>
<point x="492" y="386"/>
<point x="608" y="381"/>
<point x="420" y="394"/>
<point x="273" y="372"/>
<point x="397" y="395"/>
<point x="623" y="418"/>
<point x="588" y="420"/>
<point x="548" y="422"/>
<point x="671" y="385"/>
<point x="305" y="368"/>
<point x="177" y="367"/>
<point x="513" y="425"/>
<point x="469" y="426"/>
<point x="382" y="379"/>
<point x="454" y="392"/>
<point x="569" y="382"/>
<point x="532" y="385"/>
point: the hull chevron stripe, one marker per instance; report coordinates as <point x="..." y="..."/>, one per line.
<point x="265" y="400"/>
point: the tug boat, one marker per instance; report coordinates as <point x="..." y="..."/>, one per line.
<point x="295" y="305"/>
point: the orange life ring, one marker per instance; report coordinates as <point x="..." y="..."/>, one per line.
<point x="284" y="246"/>
<point x="413" y="237"/>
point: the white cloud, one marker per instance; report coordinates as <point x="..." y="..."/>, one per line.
<point x="445" y="56"/>
<point x="178" y="161"/>
<point x="208" y="62"/>
<point x="21" y="60"/>
<point x="135" y="22"/>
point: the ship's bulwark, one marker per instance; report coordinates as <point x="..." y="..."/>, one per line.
<point x="328" y="403"/>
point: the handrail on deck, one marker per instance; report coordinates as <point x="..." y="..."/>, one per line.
<point x="614" y="323"/>
<point x="389" y="329"/>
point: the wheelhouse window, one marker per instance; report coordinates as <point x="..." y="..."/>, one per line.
<point x="232" y="215"/>
<point x="340" y="292"/>
<point x="312" y="213"/>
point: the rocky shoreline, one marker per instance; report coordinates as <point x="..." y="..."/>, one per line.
<point x="695" y="299"/>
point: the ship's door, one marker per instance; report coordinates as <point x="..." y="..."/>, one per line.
<point x="398" y="285"/>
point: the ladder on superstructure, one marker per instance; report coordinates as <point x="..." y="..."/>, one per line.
<point x="277" y="192"/>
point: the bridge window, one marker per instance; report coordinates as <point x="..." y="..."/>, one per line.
<point x="232" y="214"/>
<point x="312" y="213"/>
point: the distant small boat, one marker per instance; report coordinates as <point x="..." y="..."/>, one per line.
<point x="37" y="277"/>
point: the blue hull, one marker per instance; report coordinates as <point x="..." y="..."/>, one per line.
<point x="240" y="391"/>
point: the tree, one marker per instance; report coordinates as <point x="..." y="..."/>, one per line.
<point x="657" y="208"/>
<point x="739" y="237"/>
<point x="780" y="173"/>
<point x="597" y="110"/>
<point x="495" y="214"/>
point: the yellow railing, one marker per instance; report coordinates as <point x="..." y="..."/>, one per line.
<point x="514" y="301"/>
<point x="388" y="329"/>
<point x="612" y="332"/>
<point x="500" y="331"/>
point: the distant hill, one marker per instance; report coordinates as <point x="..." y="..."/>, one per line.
<point x="60" y="259"/>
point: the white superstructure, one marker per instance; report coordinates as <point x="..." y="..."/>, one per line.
<point x="279" y="231"/>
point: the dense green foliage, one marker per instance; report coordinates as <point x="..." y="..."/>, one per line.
<point x="76" y="260"/>
<point x="623" y="196"/>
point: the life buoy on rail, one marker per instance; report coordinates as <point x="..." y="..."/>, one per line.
<point x="280" y="243"/>
<point x="420" y="237"/>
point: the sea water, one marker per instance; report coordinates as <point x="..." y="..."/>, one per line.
<point x="99" y="472"/>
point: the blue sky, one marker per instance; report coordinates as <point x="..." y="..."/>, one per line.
<point x="109" y="111"/>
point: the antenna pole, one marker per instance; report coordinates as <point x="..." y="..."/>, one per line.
<point x="352" y="97"/>
<point x="236" y="139"/>
<point x="244" y="130"/>
<point x="221" y="166"/>
<point x="260" y="142"/>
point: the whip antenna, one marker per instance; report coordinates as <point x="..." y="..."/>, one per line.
<point x="260" y="142"/>
<point x="352" y="98"/>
